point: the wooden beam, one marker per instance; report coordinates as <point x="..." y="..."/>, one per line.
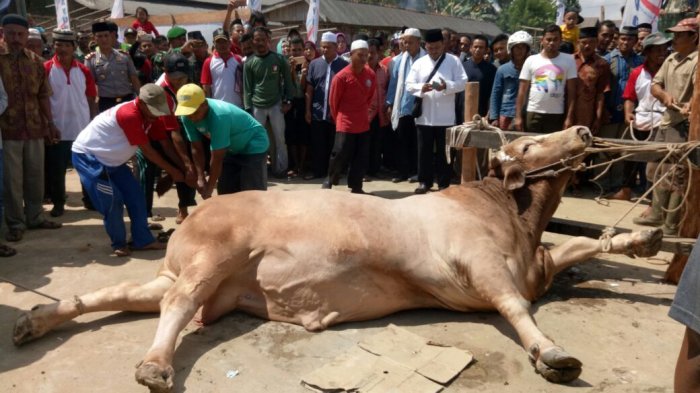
<point x="471" y="108"/>
<point x="563" y="226"/>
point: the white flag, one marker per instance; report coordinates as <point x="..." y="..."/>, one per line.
<point x="62" y="16"/>
<point x="117" y="9"/>
<point x="312" y="20"/>
<point x="642" y="11"/>
<point x="4" y="4"/>
<point x="561" y="8"/>
<point x="254" y="5"/>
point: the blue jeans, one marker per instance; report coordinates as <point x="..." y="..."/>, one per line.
<point x="110" y="188"/>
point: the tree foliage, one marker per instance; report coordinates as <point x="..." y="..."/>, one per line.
<point x="526" y="13"/>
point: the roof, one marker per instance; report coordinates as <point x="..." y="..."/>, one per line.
<point x="345" y="12"/>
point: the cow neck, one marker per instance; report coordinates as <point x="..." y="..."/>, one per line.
<point x="538" y="201"/>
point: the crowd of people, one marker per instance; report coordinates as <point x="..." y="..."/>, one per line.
<point x="136" y="117"/>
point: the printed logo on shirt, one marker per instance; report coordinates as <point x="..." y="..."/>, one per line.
<point x="275" y="68"/>
<point x="550" y="79"/>
<point x="368" y="83"/>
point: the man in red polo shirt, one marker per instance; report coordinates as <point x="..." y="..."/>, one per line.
<point x="349" y="99"/>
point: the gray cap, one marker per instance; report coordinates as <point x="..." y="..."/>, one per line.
<point x="628" y="30"/>
<point x="154" y="97"/>
<point x="63" y="35"/>
<point x="654" y="39"/>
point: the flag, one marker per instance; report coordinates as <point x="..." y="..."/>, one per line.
<point x="642" y="11"/>
<point x="496" y="6"/>
<point x="254" y="5"/>
<point x="561" y="9"/>
<point x="117" y="9"/>
<point x="312" y="20"/>
<point x="62" y="16"/>
<point x="4" y="5"/>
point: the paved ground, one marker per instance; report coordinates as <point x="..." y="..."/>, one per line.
<point x="610" y="312"/>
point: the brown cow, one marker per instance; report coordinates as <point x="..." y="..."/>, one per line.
<point x="319" y="258"/>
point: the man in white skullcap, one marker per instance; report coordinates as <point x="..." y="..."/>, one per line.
<point x="319" y="77"/>
<point x="351" y="93"/>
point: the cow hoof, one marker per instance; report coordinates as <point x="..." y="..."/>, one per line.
<point x="645" y="243"/>
<point x="556" y="365"/>
<point x="155" y="377"/>
<point x="25" y="330"/>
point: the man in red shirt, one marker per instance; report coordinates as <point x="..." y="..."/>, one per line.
<point x="349" y="99"/>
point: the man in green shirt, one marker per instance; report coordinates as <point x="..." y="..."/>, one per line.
<point x="238" y="143"/>
<point x="267" y="87"/>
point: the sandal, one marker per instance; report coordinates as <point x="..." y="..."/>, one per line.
<point x="157" y="217"/>
<point x="14" y="235"/>
<point x="46" y="224"/>
<point x="6" y="251"/>
<point x="156" y="245"/>
<point x="122" y="252"/>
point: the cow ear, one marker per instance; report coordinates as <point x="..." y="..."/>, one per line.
<point x="514" y="177"/>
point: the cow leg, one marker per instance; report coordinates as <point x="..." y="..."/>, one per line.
<point x="122" y="297"/>
<point x="193" y="287"/>
<point x="549" y="360"/>
<point x="579" y="249"/>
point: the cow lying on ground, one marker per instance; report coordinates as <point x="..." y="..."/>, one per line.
<point x="319" y="258"/>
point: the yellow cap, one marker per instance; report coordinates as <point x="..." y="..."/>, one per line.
<point x="189" y="98"/>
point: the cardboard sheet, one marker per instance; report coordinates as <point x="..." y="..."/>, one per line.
<point x="394" y="360"/>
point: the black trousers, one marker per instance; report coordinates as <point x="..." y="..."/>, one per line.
<point x="353" y="149"/>
<point x="57" y="159"/>
<point x="408" y="147"/>
<point x="322" y="142"/>
<point x="375" y="146"/>
<point x="432" y="159"/>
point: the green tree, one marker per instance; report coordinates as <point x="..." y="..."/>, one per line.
<point x="521" y="13"/>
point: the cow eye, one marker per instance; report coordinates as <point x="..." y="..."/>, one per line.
<point x="526" y="148"/>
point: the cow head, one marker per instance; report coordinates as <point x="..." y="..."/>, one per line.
<point x="525" y="156"/>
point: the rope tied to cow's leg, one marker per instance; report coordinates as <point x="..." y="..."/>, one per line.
<point x="606" y="238"/>
<point x="79" y="305"/>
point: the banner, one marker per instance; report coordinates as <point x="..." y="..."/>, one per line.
<point x="560" y="12"/>
<point x="642" y="11"/>
<point x="255" y="5"/>
<point x="62" y="16"/>
<point x="312" y="20"/>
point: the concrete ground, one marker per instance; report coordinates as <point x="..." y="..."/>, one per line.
<point x="610" y="312"/>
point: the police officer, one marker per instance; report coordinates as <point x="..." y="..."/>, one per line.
<point x="114" y="72"/>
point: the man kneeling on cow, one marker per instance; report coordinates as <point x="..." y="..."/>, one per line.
<point x="100" y="154"/>
<point x="238" y="143"/>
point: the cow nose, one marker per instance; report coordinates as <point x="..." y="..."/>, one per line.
<point x="585" y="134"/>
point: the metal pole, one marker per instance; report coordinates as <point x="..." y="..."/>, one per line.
<point x="22" y="8"/>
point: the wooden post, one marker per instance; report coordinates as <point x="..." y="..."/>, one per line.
<point x="690" y="224"/>
<point x="471" y="108"/>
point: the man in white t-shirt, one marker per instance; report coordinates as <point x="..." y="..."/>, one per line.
<point x="548" y="82"/>
<point x="100" y="153"/>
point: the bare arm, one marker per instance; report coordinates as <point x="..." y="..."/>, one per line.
<point x="94" y="108"/>
<point x="523" y="91"/>
<point x="207" y="90"/>
<point x="215" y="165"/>
<point x="230" y="10"/>
<point x="198" y="157"/>
<point x="662" y="95"/>
<point x="181" y="149"/>
<point x="308" y="96"/>
<point x="629" y="111"/>
<point x="135" y="83"/>
<point x="571" y="102"/>
<point x="52" y="134"/>
<point x="155" y="157"/>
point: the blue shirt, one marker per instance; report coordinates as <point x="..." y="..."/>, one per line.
<point x="407" y="99"/>
<point x="228" y="127"/>
<point x="318" y="77"/>
<point x="620" y="68"/>
<point x="505" y="91"/>
<point x="484" y="73"/>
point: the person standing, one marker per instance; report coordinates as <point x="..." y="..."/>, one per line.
<point x="378" y="118"/>
<point x="499" y="50"/>
<point x="548" y="81"/>
<point x="238" y="143"/>
<point x="400" y="104"/>
<point x="296" y="129"/>
<point x="321" y="72"/>
<point x="73" y="105"/>
<point x="5" y="250"/>
<point x="267" y="86"/>
<point x="606" y="33"/>
<point x="222" y="72"/>
<point x="350" y="97"/>
<point x="593" y="81"/>
<point x="100" y="154"/>
<point x="673" y="86"/>
<point x="480" y="70"/>
<point x="435" y="79"/>
<point x="114" y="72"/>
<point x="26" y="125"/>
<point x="643" y="112"/>
<point x="507" y="81"/>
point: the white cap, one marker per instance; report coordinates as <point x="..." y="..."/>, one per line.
<point x="329" y="37"/>
<point x="34" y="34"/>
<point x="359" y="44"/>
<point x="411" y="32"/>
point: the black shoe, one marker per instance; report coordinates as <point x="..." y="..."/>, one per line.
<point x="422" y="189"/>
<point x="326" y="185"/>
<point x="57" y="211"/>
